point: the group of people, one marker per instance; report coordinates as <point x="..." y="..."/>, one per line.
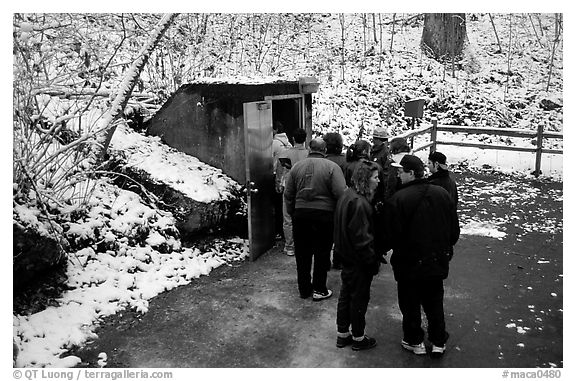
<point x="360" y="206"/>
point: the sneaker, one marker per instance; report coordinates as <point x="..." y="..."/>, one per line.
<point x="289" y="253"/>
<point x="317" y="296"/>
<point x="417" y="349"/>
<point x="366" y="343"/>
<point x="438" y="351"/>
<point x="342" y="342"/>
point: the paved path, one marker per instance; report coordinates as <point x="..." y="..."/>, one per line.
<point x="503" y="310"/>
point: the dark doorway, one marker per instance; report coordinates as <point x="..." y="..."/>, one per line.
<point x="289" y="113"/>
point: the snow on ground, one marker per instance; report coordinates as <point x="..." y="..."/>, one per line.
<point x="142" y="256"/>
<point x="132" y="251"/>
<point x="182" y="172"/>
<point x="143" y="259"/>
<point x="481" y="228"/>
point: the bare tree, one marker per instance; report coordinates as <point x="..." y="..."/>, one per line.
<point x="374" y="27"/>
<point x="364" y="26"/>
<point x="509" y="56"/>
<point x="57" y="138"/>
<point x="392" y="34"/>
<point x="343" y="46"/>
<point x="495" y="33"/>
<point x="557" y="32"/>
<point x="130" y="79"/>
<point x="535" y="32"/>
<point x="381" y="42"/>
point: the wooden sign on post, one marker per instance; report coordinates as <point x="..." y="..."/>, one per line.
<point x="414" y="108"/>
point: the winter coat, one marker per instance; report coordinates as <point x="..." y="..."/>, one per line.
<point x="442" y="178"/>
<point x="295" y="154"/>
<point x="280" y="143"/>
<point x="381" y="156"/>
<point x="314" y="183"/>
<point x="339" y="159"/>
<point x="421" y="228"/>
<point x="354" y="233"/>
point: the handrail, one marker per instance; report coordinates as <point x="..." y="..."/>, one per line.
<point x="540" y="135"/>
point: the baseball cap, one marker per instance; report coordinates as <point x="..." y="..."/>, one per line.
<point x="438" y="157"/>
<point x="381" y="133"/>
<point x="410" y="163"/>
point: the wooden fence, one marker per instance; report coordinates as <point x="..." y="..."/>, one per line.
<point x="540" y="135"/>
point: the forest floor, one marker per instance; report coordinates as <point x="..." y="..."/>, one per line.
<point x="503" y="305"/>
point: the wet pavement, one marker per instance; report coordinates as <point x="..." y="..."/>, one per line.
<point x="503" y="307"/>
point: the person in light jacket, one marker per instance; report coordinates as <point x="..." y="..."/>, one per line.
<point x="293" y="155"/>
<point x="312" y="188"/>
<point x="280" y="143"/>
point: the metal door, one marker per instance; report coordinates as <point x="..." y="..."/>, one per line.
<point x="259" y="176"/>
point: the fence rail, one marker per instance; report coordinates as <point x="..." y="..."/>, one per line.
<point x="539" y="135"/>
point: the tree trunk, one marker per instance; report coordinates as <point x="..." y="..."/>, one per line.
<point x="393" y="32"/>
<point x="130" y="79"/>
<point x="495" y="33"/>
<point x="444" y="35"/>
<point x="374" y="27"/>
<point x="555" y="43"/>
<point x="343" y="29"/>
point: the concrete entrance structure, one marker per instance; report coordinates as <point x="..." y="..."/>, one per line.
<point x="229" y="126"/>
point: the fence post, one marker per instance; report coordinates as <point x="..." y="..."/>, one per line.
<point x="539" y="139"/>
<point x="433" y="134"/>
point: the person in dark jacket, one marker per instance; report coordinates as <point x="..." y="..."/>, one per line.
<point x="354" y="243"/>
<point x="380" y="154"/>
<point x="334" y="145"/>
<point x="398" y="148"/>
<point x="440" y="175"/>
<point x="421" y="228"/>
<point x="313" y="187"/>
<point x="356" y="152"/>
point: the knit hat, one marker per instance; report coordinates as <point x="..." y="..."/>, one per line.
<point x="410" y="163"/>
<point x="380" y="133"/>
<point x="438" y="157"/>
